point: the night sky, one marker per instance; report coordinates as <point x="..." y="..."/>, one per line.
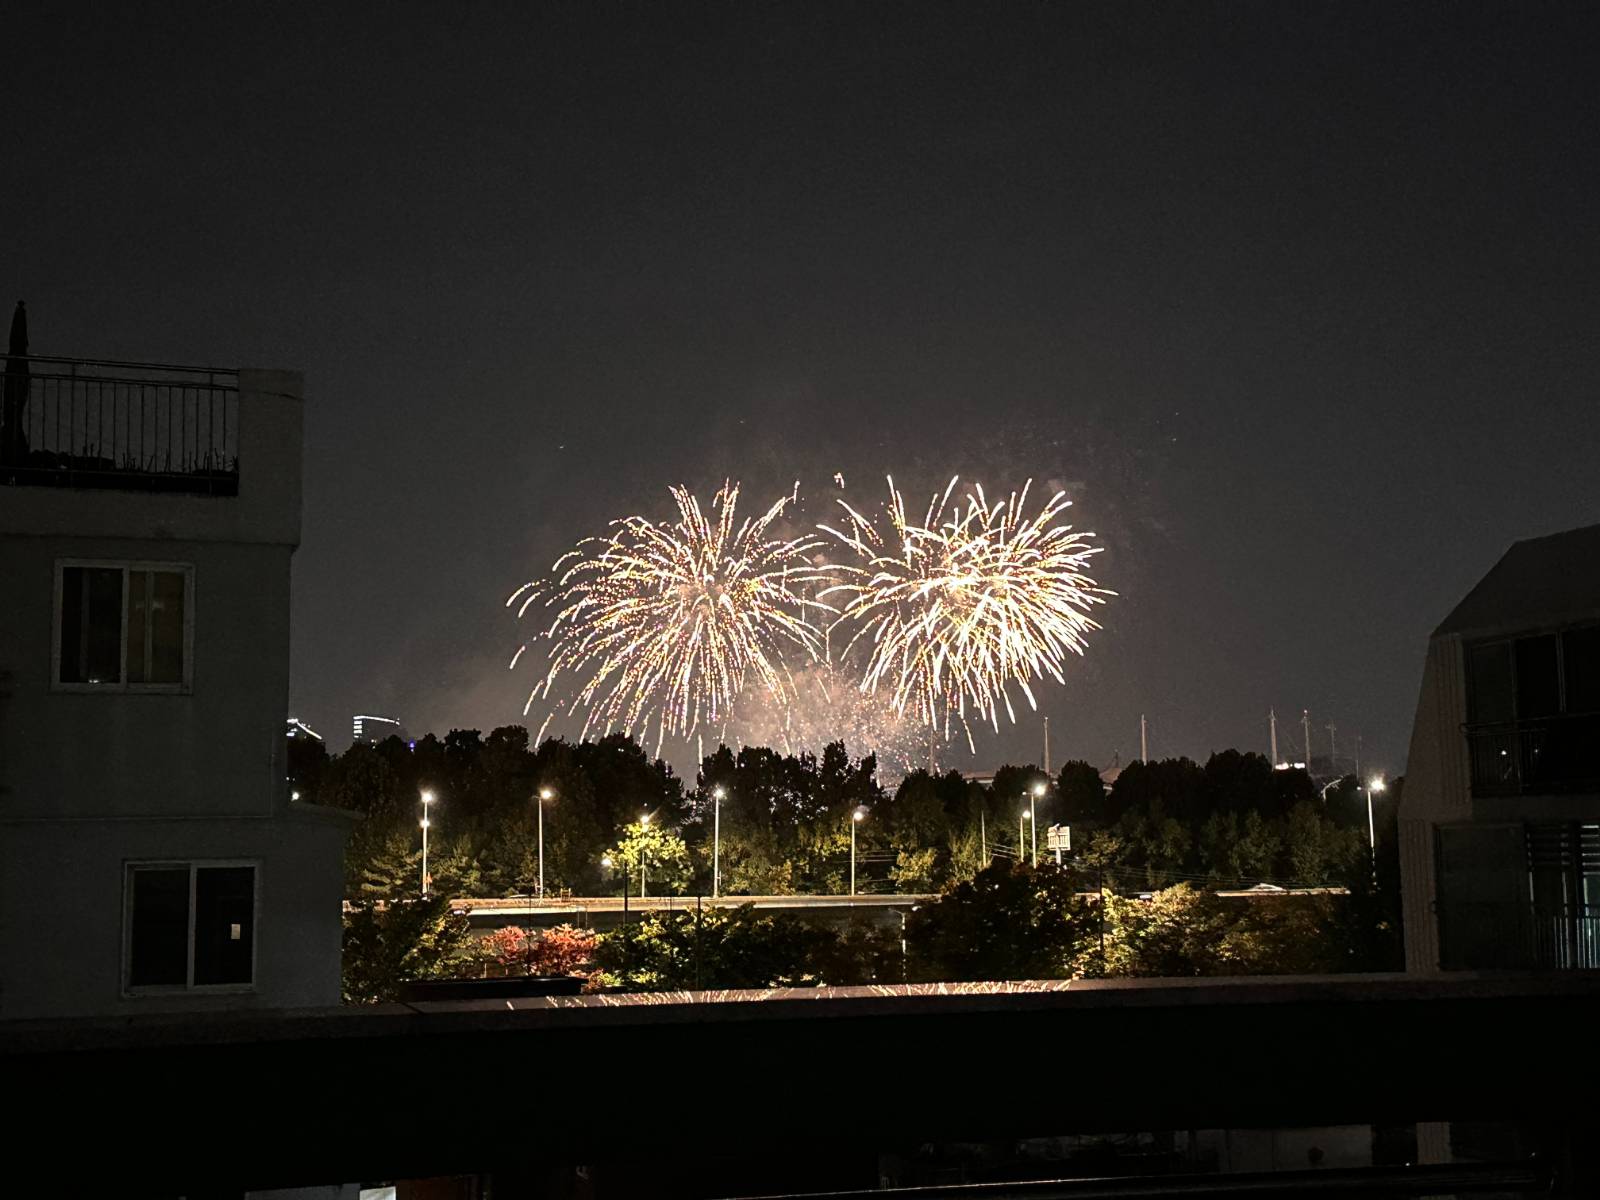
<point x="1297" y="300"/>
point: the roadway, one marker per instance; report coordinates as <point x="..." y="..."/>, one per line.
<point x="603" y="912"/>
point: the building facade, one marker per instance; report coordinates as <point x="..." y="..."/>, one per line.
<point x="1500" y="814"/>
<point x="150" y="856"/>
<point x="369" y="730"/>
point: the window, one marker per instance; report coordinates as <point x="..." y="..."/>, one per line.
<point x="1529" y="678"/>
<point x="1580" y="652"/>
<point x="1489" y="679"/>
<point x="123" y="626"/>
<point x="1538" y="677"/>
<point x="190" y="925"/>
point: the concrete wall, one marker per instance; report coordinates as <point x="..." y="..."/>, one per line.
<point x="62" y="921"/>
<point x="218" y="749"/>
<point x="1437" y="790"/>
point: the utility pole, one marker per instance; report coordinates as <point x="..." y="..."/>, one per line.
<point x="1333" y="749"/>
<point x="1272" y="724"/>
<point x="1305" y="725"/>
<point x="1144" y="740"/>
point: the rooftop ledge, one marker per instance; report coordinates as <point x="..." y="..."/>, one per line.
<point x="97" y="423"/>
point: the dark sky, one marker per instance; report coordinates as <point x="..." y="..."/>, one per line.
<point x="1299" y="300"/>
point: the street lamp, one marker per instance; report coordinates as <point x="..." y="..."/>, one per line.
<point x="1033" y="818"/>
<point x="607" y="863"/>
<point x="717" y="793"/>
<point x="544" y="794"/>
<point x="1375" y="784"/>
<point x="427" y="799"/>
<point x="856" y="817"/>
<point x="644" y="823"/>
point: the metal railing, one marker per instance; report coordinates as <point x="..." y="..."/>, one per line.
<point x="1490" y="936"/>
<point x="1548" y="754"/>
<point x="85" y="423"/>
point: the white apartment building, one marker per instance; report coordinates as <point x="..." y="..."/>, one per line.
<point x="150" y="856"/>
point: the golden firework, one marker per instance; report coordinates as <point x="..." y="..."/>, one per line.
<point x="661" y="625"/>
<point x="952" y="611"/>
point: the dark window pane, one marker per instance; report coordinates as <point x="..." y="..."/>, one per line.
<point x="1538" y="685"/>
<point x="166" y="627"/>
<point x="224" y="924"/>
<point x="138" y="621"/>
<point x="1483" y="897"/>
<point x="1489" y="682"/>
<point x="1581" y="651"/>
<point x="159" y="945"/>
<point x="91" y="625"/>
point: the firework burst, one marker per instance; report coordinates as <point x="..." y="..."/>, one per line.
<point x="662" y="624"/>
<point x="954" y="610"/>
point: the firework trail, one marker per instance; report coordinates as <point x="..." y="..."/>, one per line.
<point x="952" y="611"/>
<point x="663" y="624"/>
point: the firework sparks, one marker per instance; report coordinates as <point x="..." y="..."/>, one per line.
<point x="977" y="597"/>
<point x="826" y="704"/>
<point x="663" y="624"/>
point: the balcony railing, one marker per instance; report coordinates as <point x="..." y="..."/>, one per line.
<point x="1490" y="936"/>
<point x="82" y="423"/>
<point x="1550" y="754"/>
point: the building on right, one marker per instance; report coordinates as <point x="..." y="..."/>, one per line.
<point x="1500" y="813"/>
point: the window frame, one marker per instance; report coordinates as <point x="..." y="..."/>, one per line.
<point x="127" y="566"/>
<point x="189" y="987"/>
<point x="1510" y="640"/>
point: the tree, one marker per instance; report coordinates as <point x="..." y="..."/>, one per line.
<point x="389" y="944"/>
<point x="382" y="865"/>
<point x="714" y="948"/>
<point x="1080" y="798"/>
<point x="662" y="852"/>
<point x="307" y="763"/>
<point x="1184" y="931"/>
<point x="1009" y="922"/>
<point x="562" y="950"/>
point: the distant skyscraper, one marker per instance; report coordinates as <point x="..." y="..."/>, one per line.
<point x="372" y="730"/>
<point x="298" y="728"/>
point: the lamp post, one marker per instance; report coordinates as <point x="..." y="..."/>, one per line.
<point x="644" y="823"/>
<point x="606" y="862"/>
<point x="857" y="815"/>
<point x="1375" y="784"/>
<point x="717" y="793"/>
<point x="1033" y="818"/>
<point x="544" y="794"/>
<point x="427" y="799"/>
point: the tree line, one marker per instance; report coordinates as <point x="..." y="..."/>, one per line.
<point x="785" y="821"/>
<point x="1009" y="922"/>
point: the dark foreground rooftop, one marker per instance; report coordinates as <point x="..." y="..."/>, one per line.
<point x="262" y="1100"/>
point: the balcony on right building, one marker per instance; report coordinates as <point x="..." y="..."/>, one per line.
<point x="1500" y="813"/>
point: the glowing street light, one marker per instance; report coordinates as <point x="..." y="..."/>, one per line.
<point x="1033" y="818"/>
<point x="427" y="799"/>
<point x="858" y="815"/>
<point x="544" y="794"/>
<point x="1375" y="784"/>
<point x="717" y="793"/>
